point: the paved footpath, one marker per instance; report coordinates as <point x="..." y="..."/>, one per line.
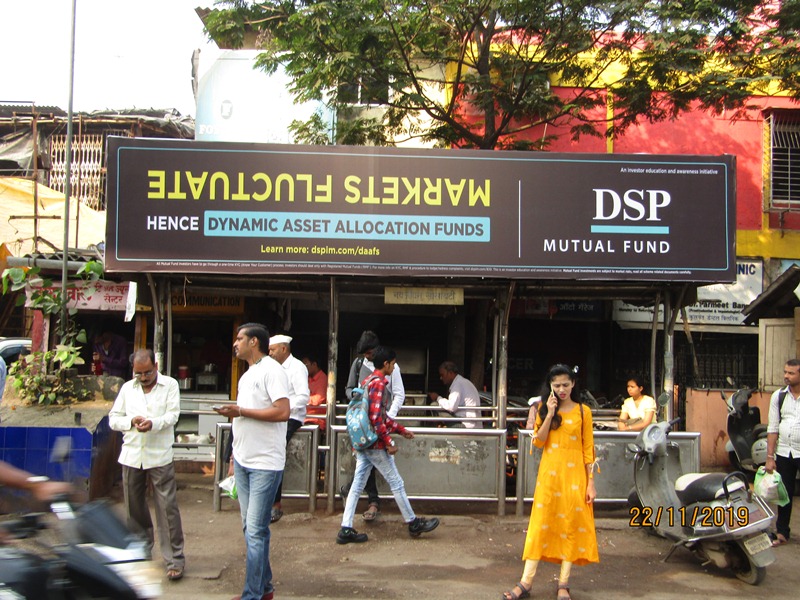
<point x="472" y="555"/>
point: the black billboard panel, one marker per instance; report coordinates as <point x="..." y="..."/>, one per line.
<point x="187" y="206"/>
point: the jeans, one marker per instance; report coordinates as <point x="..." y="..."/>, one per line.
<point x="384" y="463"/>
<point x="371" y="488"/>
<point x="256" y="489"/>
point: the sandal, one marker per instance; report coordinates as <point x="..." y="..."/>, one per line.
<point x="779" y="540"/>
<point x="512" y="595"/>
<point x="565" y="587"/>
<point x="371" y="513"/>
<point x="174" y="574"/>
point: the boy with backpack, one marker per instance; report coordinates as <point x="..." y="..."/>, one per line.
<point x="380" y="455"/>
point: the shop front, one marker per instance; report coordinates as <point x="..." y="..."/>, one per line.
<point x="502" y="262"/>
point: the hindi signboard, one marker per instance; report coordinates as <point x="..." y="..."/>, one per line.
<point x="90" y="295"/>
<point x="717" y="304"/>
<point x="177" y="205"/>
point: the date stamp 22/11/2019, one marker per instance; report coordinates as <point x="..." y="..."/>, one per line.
<point x="698" y="516"/>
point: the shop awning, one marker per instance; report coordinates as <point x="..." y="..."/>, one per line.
<point x="17" y="217"/>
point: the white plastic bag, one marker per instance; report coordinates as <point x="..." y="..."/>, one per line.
<point x="228" y="485"/>
<point x="767" y="485"/>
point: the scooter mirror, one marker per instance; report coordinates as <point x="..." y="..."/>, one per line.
<point x="664" y="398"/>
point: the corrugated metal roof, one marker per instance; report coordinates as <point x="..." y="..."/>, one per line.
<point x="9" y="110"/>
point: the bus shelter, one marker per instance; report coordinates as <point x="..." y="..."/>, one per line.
<point x="354" y="228"/>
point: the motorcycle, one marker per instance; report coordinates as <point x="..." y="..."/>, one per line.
<point x="714" y="515"/>
<point x="747" y="435"/>
<point x="94" y="555"/>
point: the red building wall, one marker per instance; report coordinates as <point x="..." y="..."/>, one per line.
<point x="695" y="132"/>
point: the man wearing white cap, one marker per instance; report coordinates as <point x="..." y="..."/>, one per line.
<point x="297" y="374"/>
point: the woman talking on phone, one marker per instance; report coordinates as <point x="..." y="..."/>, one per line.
<point x="561" y="528"/>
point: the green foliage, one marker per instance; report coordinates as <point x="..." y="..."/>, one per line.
<point x="42" y="377"/>
<point x="480" y="73"/>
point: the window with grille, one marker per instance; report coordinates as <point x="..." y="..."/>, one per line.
<point x="87" y="166"/>
<point x="784" y="178"/>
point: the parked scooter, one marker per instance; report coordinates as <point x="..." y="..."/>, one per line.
<point x="714" y="515"/>
<point x="95" y="556"/>
<point x="747" y="435"/>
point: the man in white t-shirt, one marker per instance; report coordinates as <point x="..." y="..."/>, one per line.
<point x="259" y="450"/>
<point x="297" y="374"/>
<point x="461" y="398"/>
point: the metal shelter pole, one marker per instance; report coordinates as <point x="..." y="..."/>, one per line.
<point x="158" y="319"/>
<point x="35" y="181"/>
<point x="502" y="357"/>
<point x="653" y="346"/>
<point x="333" y="356"/>
<point x="669" y="347"/>
<point x="166" y="367"/>
<point x="68" y="172"/>
<point x="668" y="377"/>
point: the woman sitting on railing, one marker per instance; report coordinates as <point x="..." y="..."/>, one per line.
<point x="638" y="411"/>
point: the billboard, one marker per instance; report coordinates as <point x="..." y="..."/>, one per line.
<point x="188" y="206"/>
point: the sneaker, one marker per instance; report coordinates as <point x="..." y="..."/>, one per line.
<point x="348" y="535"/>
<point x="420" y="525"/>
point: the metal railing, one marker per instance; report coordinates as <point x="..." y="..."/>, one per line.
<point x="451" y="463"/>
<point x="300" y="473"/>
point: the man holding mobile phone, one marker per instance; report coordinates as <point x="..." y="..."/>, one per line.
<point x="146" y="410"/>
<point x="259" y="450"/>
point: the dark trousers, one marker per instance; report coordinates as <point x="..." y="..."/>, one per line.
<point x="292" y="425"/>
<point x="168" y="517"/>
<point x="787" y="467"/>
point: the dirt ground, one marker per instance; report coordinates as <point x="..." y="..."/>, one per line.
<point x="474" y="554"/>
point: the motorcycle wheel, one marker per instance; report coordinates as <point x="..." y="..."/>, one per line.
<point x="744" y="568"/>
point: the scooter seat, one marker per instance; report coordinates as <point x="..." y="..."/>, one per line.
<point x="703" y="487"/>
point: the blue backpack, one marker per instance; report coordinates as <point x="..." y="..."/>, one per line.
<point x="359" y="428"/>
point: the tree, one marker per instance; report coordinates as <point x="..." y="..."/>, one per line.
<point x="43" y="376"/>
<point x="778" y="45"/>
<point x="486" y="73"/>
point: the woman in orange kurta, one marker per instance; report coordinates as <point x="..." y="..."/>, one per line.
<point x="561" y="528"/>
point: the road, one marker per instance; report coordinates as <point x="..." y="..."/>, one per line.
<point x="474" y="554"/>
